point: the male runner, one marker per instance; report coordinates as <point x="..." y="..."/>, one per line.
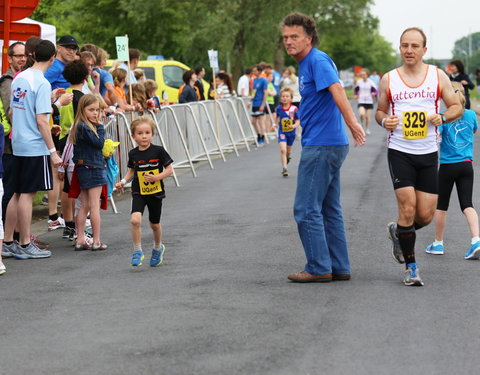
<point x="408" y="107"/>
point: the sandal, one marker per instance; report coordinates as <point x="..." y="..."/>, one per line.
<point x="82" y="246"/>
<point x="99" y="246"/>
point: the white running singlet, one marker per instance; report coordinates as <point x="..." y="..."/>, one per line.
<point x="412" y="105"/>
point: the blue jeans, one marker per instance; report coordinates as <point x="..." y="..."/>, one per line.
<point x="318" y="211"/>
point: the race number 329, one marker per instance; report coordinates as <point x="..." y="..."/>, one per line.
<point x="414" y="124"/>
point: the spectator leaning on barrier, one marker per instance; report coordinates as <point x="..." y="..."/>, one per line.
<point x="16" y="60"/>
<point x="106" y="79"/>
<point x="200" y="72"/>
<point x="32" y="148"/>
<point x="67" y="48"/>
<point x="119" y="80"/>
<point x="189" y="93"/>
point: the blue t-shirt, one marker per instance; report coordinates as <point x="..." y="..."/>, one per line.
<point x="55" y="77"/>
<point x="277" y="77"/>
<point x="30" y="97"/>
<point x="321" y="120"/>
<point x="286" y="116"/>
<point x="457" y="139"/>
<point x="259" y="86"/>
<point x="105" y="77"/>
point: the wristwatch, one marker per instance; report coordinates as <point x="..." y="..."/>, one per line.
<point x="444" y="118"/>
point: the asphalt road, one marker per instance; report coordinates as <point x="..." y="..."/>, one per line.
<point x="222" y="304"/>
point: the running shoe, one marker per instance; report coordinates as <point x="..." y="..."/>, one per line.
<point x="435" y="249"/>
<point x="88" y="223"/>
<point x="55" y="224"/>
<point x="157" y="256"/>
<point x="412" y="276"/>
<point x="2" y="268"/>
<point x="32" y="252"/>
<point x="396" y="249"/>
<point x="261" y="142"/>
<point x="474" y="251"/>
<point x="288" y="158"/>
<point x="137" y="258"/>
<point x="73" y="234"/>
<point x="42" y="245"/>
<point x="284" y="172"/>
<point x="66" y="232"/>
<point x="367" y="132"/>
<point x="8" y="250"/>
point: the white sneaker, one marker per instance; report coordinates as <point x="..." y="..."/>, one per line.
<point x="55" y="224"/>
<point x="2" y="268"/>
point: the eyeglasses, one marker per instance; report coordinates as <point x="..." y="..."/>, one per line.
<point x="19" y="56"/>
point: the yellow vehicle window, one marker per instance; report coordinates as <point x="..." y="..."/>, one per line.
<point x="172" y="76"/>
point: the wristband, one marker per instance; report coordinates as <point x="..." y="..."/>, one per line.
<point x="58" y="105"/>
<point x="52" y="150"/>
<point x="123" y="181"/>
<point x="383" y="122"/>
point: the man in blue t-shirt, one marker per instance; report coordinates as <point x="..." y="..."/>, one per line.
<point x="260" y="93"/>
<point x="67" y="48"/>
<point x="317" y="208"/>
<point x="33" y="150"/>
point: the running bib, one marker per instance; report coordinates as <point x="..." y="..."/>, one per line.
<point x="414" y="124"/>
<point x="148" y="187"/>
<point x="286" y="122"/>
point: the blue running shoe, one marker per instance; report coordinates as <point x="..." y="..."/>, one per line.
<point x="435" y="249"/>
<point x="137" y="258"/>
<point x="412" y="276"/>
<point x="157" y="256"/>
<point x="396" y="249"/>
<point x="474" y="252"/>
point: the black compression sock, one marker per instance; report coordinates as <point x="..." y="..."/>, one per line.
<point x="417" y="226"/>
<point x="53" y="217"/>
<point x="406" y="237"/>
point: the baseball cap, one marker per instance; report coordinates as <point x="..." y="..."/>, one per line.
<point x="67" y="40"/>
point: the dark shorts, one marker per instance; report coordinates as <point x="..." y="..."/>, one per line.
<point x="460" y="174"/>
<point x="153" y="203"/>
<point x="66" y="184"/>
<point x="256" y="112"/>
<point x="286" y="137"/>
<point x="32" y="174"/>
<point x="364" y="105"/>
<point x="418" y="171"/>
<point x="91" y="177"/>
<point x="60" y="146"/>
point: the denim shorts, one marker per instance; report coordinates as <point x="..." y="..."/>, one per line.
<point x="91" y="177"/>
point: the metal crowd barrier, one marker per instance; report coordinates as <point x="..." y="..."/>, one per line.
<point x="190" y="132"/>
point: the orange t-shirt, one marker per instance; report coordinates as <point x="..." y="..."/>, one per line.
<point x="119" y="93"/>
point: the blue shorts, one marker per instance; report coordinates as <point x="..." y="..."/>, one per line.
<point x="286" y="137"/>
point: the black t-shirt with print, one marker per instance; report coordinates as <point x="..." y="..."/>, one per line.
<point x="150" y="161"/>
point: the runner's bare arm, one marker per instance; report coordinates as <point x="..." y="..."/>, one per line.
<point x="454" y="108"/>
<point x="383" y="109"/>
<point x="341" y="100"/>
<point x="168" y="171"/>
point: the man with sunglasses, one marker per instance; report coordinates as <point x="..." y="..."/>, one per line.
<point x="67" y="48"/>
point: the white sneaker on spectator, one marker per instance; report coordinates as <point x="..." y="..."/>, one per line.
<point x="55" y="224"/>
<point x="2" y="268"/>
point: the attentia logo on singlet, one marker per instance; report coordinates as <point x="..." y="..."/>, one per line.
<point x="427" y="93"/>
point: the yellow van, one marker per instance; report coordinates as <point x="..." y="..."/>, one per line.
<point x="168" y="75"/>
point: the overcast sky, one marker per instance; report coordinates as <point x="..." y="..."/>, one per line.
<point x="443" y="24"/>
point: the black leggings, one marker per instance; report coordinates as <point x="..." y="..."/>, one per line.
<point x="460" y="174"/>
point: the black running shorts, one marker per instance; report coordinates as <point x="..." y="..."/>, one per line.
<point x="153" y="203"/>
<point x="418" y="171"/>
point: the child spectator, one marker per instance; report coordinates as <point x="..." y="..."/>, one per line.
<point x="88" y="136"/>
<point x="139" y="75"/>
<point x="151" y="88"/>
<point x="149" y="165"/>
<point x="119" y="80"/>
<point x="75" y="73"/>
<point x="286" y="117"/>
<point x="456" y="159"/>
<point x="224" y="86"/>
<point x="139" y="98"/>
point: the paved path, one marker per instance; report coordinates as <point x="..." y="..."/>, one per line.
<point x="221" y="303"/>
